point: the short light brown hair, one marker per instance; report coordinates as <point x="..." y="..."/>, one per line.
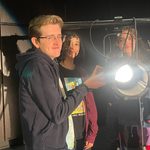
<point x="37" y="22"/>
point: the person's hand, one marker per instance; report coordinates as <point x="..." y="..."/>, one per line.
<point x="98" y="69"/>
<point x="96" y="79"/>
<point x="88" y="145"/>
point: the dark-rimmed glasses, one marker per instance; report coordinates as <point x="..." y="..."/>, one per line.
<point x="52" y="37"/>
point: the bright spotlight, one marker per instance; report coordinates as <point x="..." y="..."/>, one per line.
<point x="131" y="81"/>
<point x="124" y="74"/>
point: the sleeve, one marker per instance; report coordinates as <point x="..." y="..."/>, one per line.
<point x="92" y="126"/>
<point x="45" y="93"/>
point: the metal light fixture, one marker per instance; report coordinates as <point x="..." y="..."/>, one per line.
<point x="131" y="81"/>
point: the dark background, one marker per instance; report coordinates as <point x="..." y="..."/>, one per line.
<point x="83" y="10"/>
<point x="78" y="10"/>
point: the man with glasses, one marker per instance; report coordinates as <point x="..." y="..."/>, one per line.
<point x="43" y="109"/>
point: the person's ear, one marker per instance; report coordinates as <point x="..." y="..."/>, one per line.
<point x="35" y="42"/>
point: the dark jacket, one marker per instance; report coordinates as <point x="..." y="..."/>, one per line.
<point x="43" y="111"/>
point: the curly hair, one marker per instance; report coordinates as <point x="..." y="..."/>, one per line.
<point x="66" y="44"/>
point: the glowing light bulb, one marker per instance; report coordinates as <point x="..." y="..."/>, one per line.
<point x="124" y="74"/>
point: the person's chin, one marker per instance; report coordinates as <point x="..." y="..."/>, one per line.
<point x="58" y="54"/>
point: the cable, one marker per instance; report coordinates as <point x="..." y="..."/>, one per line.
<point x="136" y="39"/>
<point x="90" y="34"/>
<point x="104" y="43"/>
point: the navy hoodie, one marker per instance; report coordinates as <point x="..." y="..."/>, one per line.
<point x="43" y="110"/>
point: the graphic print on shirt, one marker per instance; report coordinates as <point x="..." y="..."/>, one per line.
<point x="71" y="83"/>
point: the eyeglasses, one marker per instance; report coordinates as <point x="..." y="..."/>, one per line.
<point x="52" y="37"/>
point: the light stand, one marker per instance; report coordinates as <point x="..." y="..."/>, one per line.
<point x="138" y="87"/>
<point x="136" y="92"/>
<point x="141" y="122"/>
